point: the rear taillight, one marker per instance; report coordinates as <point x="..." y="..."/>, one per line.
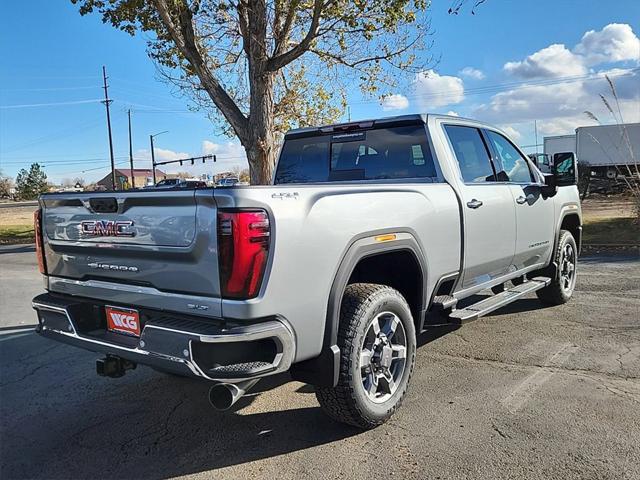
<point x="243" y="248"/>
<point x="37" y="227"/>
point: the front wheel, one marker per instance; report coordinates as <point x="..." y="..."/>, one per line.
<point x="377" y="342"/>
<point x="562" y="284"/>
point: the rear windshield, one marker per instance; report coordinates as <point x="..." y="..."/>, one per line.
<point x="378" y="154"/>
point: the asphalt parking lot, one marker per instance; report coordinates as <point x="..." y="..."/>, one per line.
<point x="528" y="392"/>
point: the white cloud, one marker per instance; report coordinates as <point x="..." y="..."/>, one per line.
<point x="563" y="125"/>
<point x="559" y="108"/>
<point x="453" y="114"/>
<point x="512" y="132"/>
<point x="614" y="43"/>
<point x="224" y="151"/>
<point x="228" y="155"/>
<point x="394" y="102"/>
<point x="472" y="73"/>
<point x="434" y="90"/>
<point x="160" y="154"/>
<point x="552" y="61"/>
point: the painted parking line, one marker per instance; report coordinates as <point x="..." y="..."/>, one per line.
<point x="521" y="394"/>
<point x="4" y="337"/>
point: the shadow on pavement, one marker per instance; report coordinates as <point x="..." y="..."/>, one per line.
<point x="22" y="248"/>
<point x="59" y="420"/>
<point x="520" y="306"/>
<point x="621" y="258"/>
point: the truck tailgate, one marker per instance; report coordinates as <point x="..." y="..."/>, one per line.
<point x="156" y="240"/>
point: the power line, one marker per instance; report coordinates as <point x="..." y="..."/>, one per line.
<point x="50" y="89"/>
<point x="54" y="163"/>
<point x="55" y="159"/>
<point x="506" y="87"/>
<point x="486" y="89"/>
<point x="54" y="136"/>
<point x="54" y="104"/>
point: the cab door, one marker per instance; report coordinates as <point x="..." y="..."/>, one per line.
<point x="534" y="212"/>
<point x="488" y="209"/>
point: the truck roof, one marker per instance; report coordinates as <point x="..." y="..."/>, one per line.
<point x="414" y="118"/>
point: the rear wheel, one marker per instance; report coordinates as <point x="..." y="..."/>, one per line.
<point x="377" y="343"/>
<point x="563" y="282"/>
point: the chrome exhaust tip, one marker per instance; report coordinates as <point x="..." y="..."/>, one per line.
<point x="223" y="396"/>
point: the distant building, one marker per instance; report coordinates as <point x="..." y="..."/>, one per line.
<point x="219" y="176"/>
<point x="142" y="177"/>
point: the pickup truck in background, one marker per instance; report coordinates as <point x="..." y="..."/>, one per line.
<point x="329" y="273"/>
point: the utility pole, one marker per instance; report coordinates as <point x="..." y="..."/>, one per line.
<point x="133" y="177"/>
<point x="107" y="102"/>
<point x="535" y="128"/>
<point x="153" y="161"/>
<point x="153" y="156"/>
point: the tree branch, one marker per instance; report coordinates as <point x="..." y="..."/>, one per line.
<point x="279" y="61"/>
<point x="283" y="34"/>
<point x="184" y="37"/>
<point x="355" y="63"/>
<point x="244" y="26"/>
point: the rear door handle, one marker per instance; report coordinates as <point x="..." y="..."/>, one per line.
<point x="474" y="203"/>
<point x="529" y="198"/>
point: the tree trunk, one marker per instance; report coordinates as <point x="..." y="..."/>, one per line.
<point x="261" y="165"/>
<point x="261" y="146"/>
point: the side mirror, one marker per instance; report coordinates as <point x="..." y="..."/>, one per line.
<point x="565" y="169"/>
<point x="550" y="187"/>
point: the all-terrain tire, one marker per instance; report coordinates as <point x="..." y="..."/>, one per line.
<point x="348" y="402"/>
<point x="558" y="291"/>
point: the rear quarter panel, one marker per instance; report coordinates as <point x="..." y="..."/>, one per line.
<point x="314" y="225"/>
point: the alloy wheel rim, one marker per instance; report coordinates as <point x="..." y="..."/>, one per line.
<point x="383" y="356"/>
<point x="568" y="268"/>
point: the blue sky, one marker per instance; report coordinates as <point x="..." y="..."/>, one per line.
<point x="510" y="63"/>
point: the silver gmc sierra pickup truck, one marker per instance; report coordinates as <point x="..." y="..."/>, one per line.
<point x="329" y="273"/>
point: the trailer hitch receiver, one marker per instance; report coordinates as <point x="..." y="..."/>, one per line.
<point x="113" y="367"/>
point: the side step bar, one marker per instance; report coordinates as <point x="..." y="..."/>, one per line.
<point x="488" y="305"/>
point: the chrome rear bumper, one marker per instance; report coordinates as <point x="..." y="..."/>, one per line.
<point x="170" y="345"/>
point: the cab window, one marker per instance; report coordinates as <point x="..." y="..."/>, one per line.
<point x="511" y="166"/>
<point x="471" y="153"/>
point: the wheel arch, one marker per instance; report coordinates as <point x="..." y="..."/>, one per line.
<point x="365" y="251"/>
<point x="569" y="220"/>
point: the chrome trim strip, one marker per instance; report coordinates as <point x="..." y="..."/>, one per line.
<point x="55" y="281"/>
<point x="271" y="329"/>
<point x="145" y="296"/>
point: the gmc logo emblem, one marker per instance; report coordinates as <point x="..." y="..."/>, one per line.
<point x="107" y="228"/>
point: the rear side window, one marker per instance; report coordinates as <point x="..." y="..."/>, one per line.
<point x="378" y="154"/>
<point x="471" y="153"/>
<point x="510" y="164"/>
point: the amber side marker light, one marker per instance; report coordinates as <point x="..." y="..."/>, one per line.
<point x="385" y="238"/>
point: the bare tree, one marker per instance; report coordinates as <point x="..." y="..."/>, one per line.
<point x="261" y="66"/>
<point x="241" y="173"/>
<point x="630" y="171"/>
<point x="6" y="186"/>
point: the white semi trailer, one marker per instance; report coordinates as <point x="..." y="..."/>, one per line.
<point x="559" y="144"/>
<point x="602" y="150"/>
<point x="609" y="150"/>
